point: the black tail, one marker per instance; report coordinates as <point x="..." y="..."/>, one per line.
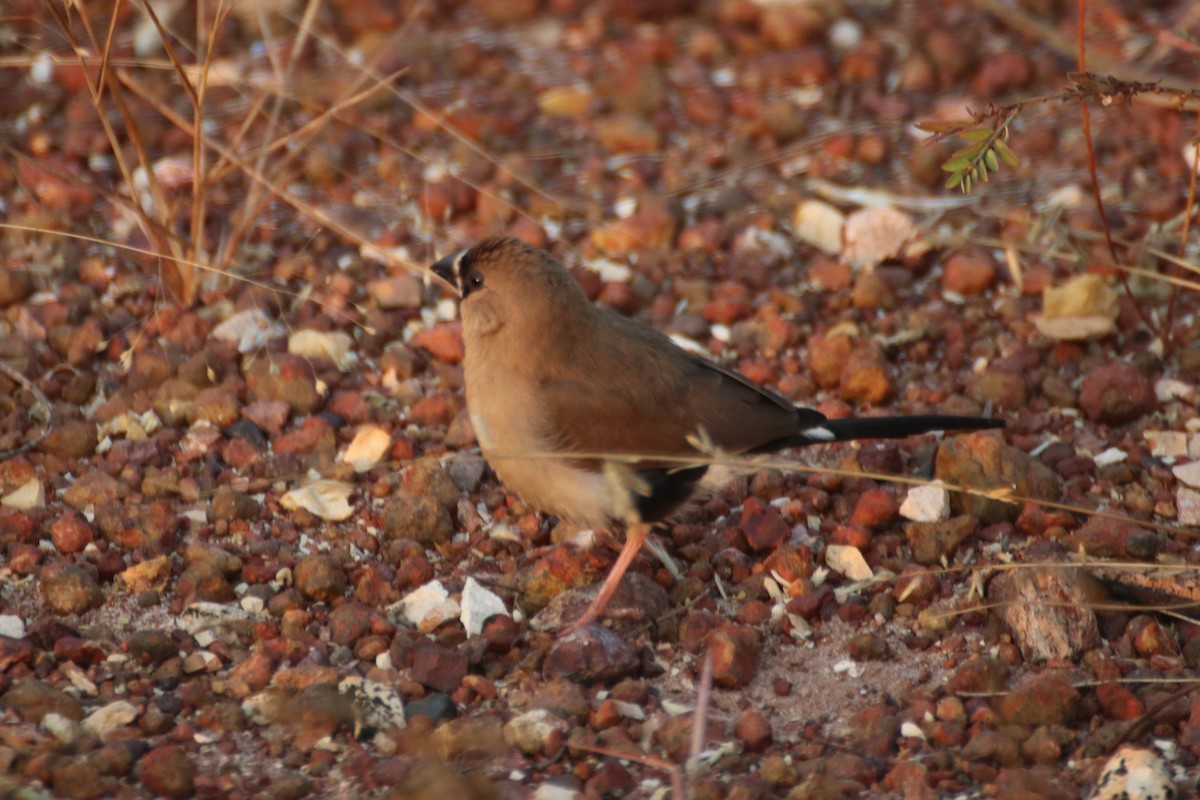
<point x="844" y="430"/>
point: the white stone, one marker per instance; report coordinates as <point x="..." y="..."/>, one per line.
<point x="929" y="503"/>
<point x="817" y="223"/>
<point x="1168" y="389"/>
<point x="848" y="561"/>
<point x="1167" y="444"/>
<point x="531" y="731"/>
<point x="478" y="604"/>
<point x="1112" y="455"/>
<point x="333" y="345"/>
<point x="370" y="444"/>
<point x="12" y="626"/>
<point x="428" y="606"/>
<point x="248" y="330"/>
<point x="326" y="499"/>
<point x="27" y="496"/>
<point x="1188" y="474"/>
<point x="115" y="715"/>
<point x="1187" y="506"/>
<point x="61" y="728"/>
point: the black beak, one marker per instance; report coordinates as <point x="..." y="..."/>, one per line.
<point x="447" y="270"/>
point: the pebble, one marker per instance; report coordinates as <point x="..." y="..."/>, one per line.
<point x="1116" y="393"/>
<point x="319" y="577"/>
<point x="735" y="651"/>
<point x="69" y="589"/>
<point x="591" y="653"/>
<point x="984" y="461"/>
<point x="169" y="771"/>
<point x="1042" y="699"/>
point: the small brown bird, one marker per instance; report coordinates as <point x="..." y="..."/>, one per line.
<point x="553" y="381"/>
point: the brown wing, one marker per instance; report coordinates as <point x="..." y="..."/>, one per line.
<point x="654" y="395"/>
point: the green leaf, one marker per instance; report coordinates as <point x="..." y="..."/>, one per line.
<point x="954" y="180"/>
<point x="957" y="164"/>
<point x="977" y="135"/>
<point x="970" y="151"/>
<point x="1006" y="155"/>
<point x="989" y="159"/>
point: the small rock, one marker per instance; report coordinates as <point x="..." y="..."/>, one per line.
<point x="1085" y="308"/>
<point x="876" y="508"/>
<point x="969" y="273"/>
<point x="762" y="525"/>
<point x="248" y="330"/>
<point x="981" y="675"/>
<point x="319" y="577"/>
<point x="420" y="518"/>
<point x="325" y="499"/>
<point x="479" y="605"/>
<point x="443" y="341"/>
<point x="78" y="780"/>
<point x="32" y="700"/>
<point x="1167" y="444"/>
<point x="334" y="346"/>
<point x="864" y="378"/>
<point x="15" y="285"/>
<point x="1118" y="702"/>
<point x="72" y="439"/>
<point x="368" y="447"/>
<point x="93" y="488"/>
<point x="204" y="581"/>
<point x="827" y="359"/>
<point x="984" y="461"/>
<point x="1000" y="388"/>
<point x="151" y="647"/>
<point x="848" y="561"/>
<point x="1116" y="393"/>
<point x="1042" y="699"/>
<point x="285" y="377"/>
<point x="437" y="707"/>
<point x="69" y="589"/>
<point x="929" y="503"/>
<point x="169" y="771"/>
<point x="734" y="650"/>
<point x="627" y="134"/>
<point x="819" y="224"/>
<point x="440" y="668"/>
<point x="932" y="542"/>
<point x="868" y="647"/>
<point x="874" y="235"/>
<point x="591" y="653"/>
<point x="536" y="733"/>
<point x="108" y="718"/>
<point x="398" y="291"/>
<point x="1187" y="506"/>
<point x="1134" y="773"/>
<point x="429" y="605"/>
<point x="992" y="747"/>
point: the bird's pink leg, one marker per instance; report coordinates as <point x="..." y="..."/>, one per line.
<point x="635" y="535"/>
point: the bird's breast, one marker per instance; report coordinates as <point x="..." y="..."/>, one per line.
<point x="511" y="428"/>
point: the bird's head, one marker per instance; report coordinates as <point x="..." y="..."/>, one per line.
<point x="504" y="282"/>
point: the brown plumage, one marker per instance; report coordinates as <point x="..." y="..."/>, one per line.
<point x="549" y="373"/>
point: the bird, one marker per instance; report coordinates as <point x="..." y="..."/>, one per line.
<point x="590" y="416"/>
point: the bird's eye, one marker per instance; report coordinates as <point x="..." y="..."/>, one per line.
<point x="474" y="281"/>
